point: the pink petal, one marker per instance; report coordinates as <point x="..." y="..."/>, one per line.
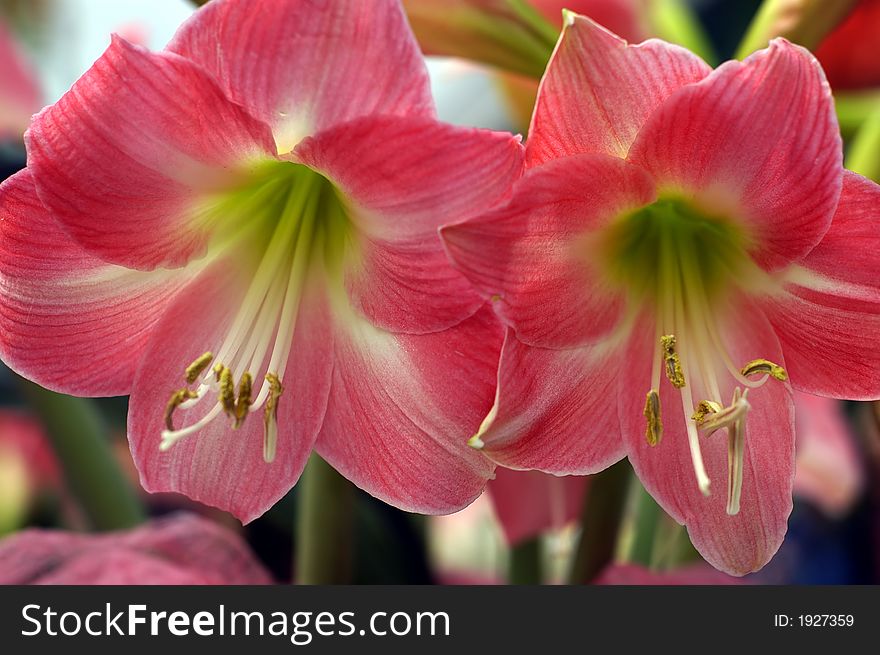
<point x="830" y="327"/>
<point x="598" y="91"/>
<point x="403" y="178"/>
<point x="529" y="503"/>
<point x="197" y="544"/>
<point x="181" y="549"/>
<point x="829" y="472"/>
<point x="735" y="544"/>
<point x="219" y="466"/>
<point x="534" y="252"/>
<point x="555" y="411"/>
<point x="403" y="406"/>
<point x="303" y="67"/>
<point x="693" y="574"/>
<point x="124" y="157"/>
<point x="20" y="94"/>
<point x="756" y="141"/>
<point x="68" y="320"/>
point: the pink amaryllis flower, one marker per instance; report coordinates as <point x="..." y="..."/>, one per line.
<point x="683" y="248"/>
<point x="241" y="232"/>
<point x="529" y="503"/>
<point x="178" y="550"/>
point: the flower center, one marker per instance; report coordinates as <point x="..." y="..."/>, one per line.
<point x="684" y="265"/>
<point x="292" y="218"/>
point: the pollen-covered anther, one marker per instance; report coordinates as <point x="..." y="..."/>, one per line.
<point x="177" y="399"/>
<point x="674" y="371"/>
<point x="765" y="367"/>
<point x="654" y="429"/>
<point x="703" y="409"/>
<point x="270" y="417"/>
<point x="194" y="370"/>
<point x="243" y="400"/>
<point x="227" y="389"/>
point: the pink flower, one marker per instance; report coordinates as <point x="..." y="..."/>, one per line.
<point x="179" y="550"/>
<point x="20" y="94"/>
<point x="828" y="470"/>
<point x="684" y="242"/>
<point x="849" y="53"/>
<point x="529" y="503"/>
<point x="240" y="232"/>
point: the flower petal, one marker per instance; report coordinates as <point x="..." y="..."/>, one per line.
<point x="555" y="410"/>
<point x="65" y="313"/>
<point x="122" y="159"/>
<point x="757" y="140"/>
<point x="403" y="406"/>
<point x="303" y="67"/>
<point x="180" y="549"/>
<point x="735" y="544"/>
<point x="829" y="469"/>
<point x="19" y="92"/>
<point x="535" y="255"/>
<point x="598" y="91"/>
<point x="529" y="503"/>
<point x="403" y="178"/>
<point x="219" y="466"/>
<point x="829" y="321"/>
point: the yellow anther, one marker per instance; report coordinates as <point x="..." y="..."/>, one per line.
<point x="270" y="417"/>
<point x="654" y="430"/>
<point x="244" y="400"/>
<point x="227" y="390"/>
<point x="218" y="371"/>
<point x="673" y="363"/>
<point x="703" y="410"/>
<point x="194" y="370"/>
<point x="177" y="399"/>
<point x="766" y="367"/>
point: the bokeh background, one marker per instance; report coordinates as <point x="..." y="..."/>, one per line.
<point x="525" y="529"/>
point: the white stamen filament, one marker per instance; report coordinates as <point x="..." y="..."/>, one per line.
<point x="270" y="307"/>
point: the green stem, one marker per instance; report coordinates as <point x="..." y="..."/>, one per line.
<point x="525" y="563"/>
<point x="647" y="515"/>
<point x="324" y="531"/>
<point x="864" y="152"/>
<point x="601" y="519"/>
<point x="78" y="436"/>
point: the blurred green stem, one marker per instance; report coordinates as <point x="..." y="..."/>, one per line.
<point x="92" y="474"/>
<point x="864" y="152"/>
<point x="601" y="519"/>
<point x="325" y="526"/>
<point x="525" y="563"/>
<point x="646" y="514"/>
<point x="806" y="22"/>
